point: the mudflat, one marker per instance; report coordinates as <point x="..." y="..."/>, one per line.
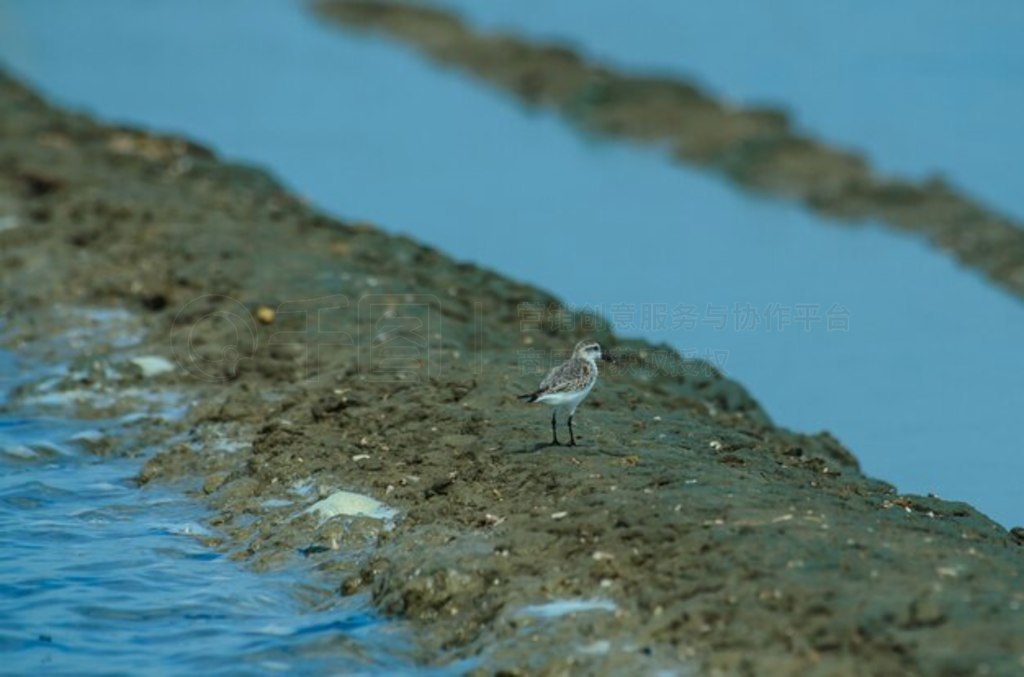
<point x="315" y="357"/>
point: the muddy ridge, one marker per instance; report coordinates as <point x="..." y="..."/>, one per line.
<point x="686" y="532"/>
<point x="757" y="148"/>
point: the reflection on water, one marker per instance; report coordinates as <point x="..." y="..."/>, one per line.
<point x="918" y="380"/>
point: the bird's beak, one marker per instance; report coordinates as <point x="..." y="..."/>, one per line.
<point x="607" y="358"/>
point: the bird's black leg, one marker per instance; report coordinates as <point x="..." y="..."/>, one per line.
<point x="572" y="437"/>
<point x="554" y="431"/>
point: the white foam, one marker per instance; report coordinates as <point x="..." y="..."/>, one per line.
<point x="19" y="451"/>
<point x="276" y="503"/>
<point x="598" y="648"/>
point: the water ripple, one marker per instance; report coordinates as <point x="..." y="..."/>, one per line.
<point x="99" y="576"/>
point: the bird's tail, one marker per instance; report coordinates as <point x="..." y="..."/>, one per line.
<point x="528" y="397"/>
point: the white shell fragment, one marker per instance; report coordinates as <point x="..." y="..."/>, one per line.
<point x="353" y="505"/>
<point x="564" y="607"/>
<point x="152" y="365"/>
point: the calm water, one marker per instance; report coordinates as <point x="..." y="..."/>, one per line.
<point x="921" y="87"/>
<point x="911" y="361"/>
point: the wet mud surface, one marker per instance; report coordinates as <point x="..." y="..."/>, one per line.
<point x="686" y="532"/>
<point x="757" y="148"/>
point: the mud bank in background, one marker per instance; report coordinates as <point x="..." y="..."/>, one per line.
<point x="317" y="357"/>
<point x="757" y="148"/>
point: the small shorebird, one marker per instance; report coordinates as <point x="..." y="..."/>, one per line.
<point x="568" y="384"/>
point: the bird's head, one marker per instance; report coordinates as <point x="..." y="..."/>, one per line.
<point x="590" y="351"/>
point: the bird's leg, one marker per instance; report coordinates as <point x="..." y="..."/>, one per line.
<point x="572" y="437"/>
<point x="554" y="431"/>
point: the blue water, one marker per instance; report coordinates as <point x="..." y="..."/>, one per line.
<point x="100" y="576"/>
<point x="912" y="361"/>
<point x="920" y="87"/>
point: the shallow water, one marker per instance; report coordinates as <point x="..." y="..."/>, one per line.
<point x="910" y="360"/>
<point x="103" y="577"/>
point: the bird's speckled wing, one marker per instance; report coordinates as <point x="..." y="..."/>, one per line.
<point x="567" y="377"/>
